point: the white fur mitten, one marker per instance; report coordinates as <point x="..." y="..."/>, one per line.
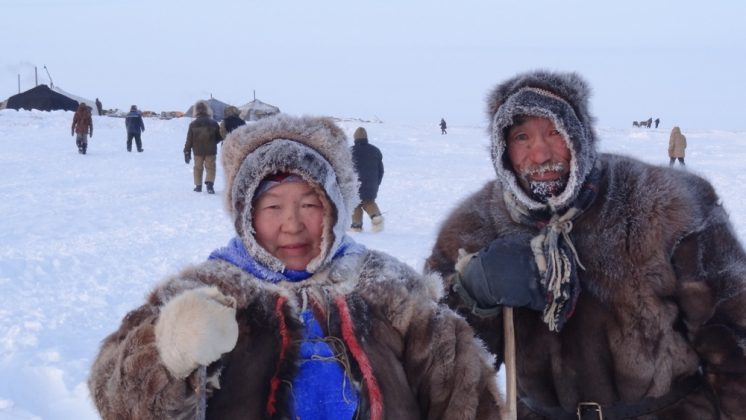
<point x="195" y="328"/>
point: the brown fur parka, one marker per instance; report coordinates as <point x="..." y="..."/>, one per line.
<point x="82" y="121"/>
<point x="663" y="295"/>
<point x="424" y="357"/>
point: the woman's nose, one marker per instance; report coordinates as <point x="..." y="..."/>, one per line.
<point x="292" y="222"/>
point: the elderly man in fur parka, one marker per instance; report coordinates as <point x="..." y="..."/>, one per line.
<point x="271" y="327"/>
<point x="627" y="282"/>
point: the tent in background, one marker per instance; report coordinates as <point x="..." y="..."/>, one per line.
<point x="42" y="98"/>
<point x="90" y="103"/>
<point x="217" y="109"/>
<point x="256" y="110"/>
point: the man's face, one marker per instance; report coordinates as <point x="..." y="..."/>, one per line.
<point x="540" y="157"/>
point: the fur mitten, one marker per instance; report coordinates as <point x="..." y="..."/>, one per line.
<point x="503" y="273"/>
<point x="195" y="328"/>
<point x="463" y="259"/>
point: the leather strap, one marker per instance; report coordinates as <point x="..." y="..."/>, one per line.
<point x="618" y="410"/>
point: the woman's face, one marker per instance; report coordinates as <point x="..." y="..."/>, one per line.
<point x="288" y="220"/>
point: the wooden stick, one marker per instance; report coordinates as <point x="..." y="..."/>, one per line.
<point x="509" y="362"/>
<point x="201" y="391"/>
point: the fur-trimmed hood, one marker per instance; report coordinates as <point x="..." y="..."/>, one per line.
<point x="314" y="148"/>
<point x="231" y="111"/>
<point x="560" y="97"/>
<point x="197" y="111"/>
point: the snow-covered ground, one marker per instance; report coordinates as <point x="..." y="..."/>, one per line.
<point x="83" y="238"/>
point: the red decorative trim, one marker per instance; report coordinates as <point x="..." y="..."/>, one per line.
<point x="348" y="335"/>
<point x="284" y="340"/>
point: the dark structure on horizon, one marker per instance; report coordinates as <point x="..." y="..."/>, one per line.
<point x="42" y="98"/>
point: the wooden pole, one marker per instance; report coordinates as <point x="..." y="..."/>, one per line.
<point x="201" y="391"/>
<point x="509" y="362"/>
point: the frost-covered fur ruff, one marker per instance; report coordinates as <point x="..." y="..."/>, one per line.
<point x="314" y="148"/>
<point x="405" y="355"/>
<point x="663" y="292"/>
<point x="560" y="97"/>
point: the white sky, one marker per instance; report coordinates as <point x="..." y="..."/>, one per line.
<point x="402" y="61"/>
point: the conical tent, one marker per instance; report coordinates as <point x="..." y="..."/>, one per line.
<point x="42" y="98"/>
<point x="217" y="109"/>
<point x="256" y="110"/>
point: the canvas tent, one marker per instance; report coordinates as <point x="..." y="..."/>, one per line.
<point x="217" y="109"/>
<point x="42" y="98"/>
<point x="91" y="104"/>
<point x="256" y="110"/>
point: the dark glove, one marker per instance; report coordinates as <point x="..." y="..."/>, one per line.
<point x="504" y="273"/>
<point x="91" y="135"/>
<point x="187" y="157"/>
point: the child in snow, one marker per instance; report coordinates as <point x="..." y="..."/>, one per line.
<point x="293" y="319"/>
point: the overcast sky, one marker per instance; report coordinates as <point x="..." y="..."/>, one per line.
<point x="398" y="60"/>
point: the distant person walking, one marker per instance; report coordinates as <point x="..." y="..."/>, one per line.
<point x="99" y="107"/>
<point x="82" y="126"/>
<point x="231" y="121"/>
<point x="203" y="137"/>
<point x="443" y="126"/>
<point x="676" y="146"/>
<point x="368" y="162"/>
<point x="657" y="121"/>
<point x="135" y="127"/>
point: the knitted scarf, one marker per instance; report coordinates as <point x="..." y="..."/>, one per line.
<point x="554" y="253"/>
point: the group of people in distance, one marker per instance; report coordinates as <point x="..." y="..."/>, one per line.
<point x="626" y="281"/>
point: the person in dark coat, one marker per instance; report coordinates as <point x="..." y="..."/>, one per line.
<point x="369" y="167"/>
<point x="626" y="279"/>
<point x="203" y="137"/>
<point x="231" y="121"/>
<point x="135" y="126"/>
<point x="82" y="127"/>
<point x="657" y="121"/>
<point x="99" y="107"/>
<point x="443" y="126"/>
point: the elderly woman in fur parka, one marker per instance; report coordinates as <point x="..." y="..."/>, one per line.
<point x="293" y="319"/>
<point x="627" y="281"/>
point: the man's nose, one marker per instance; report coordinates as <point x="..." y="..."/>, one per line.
<point x="540" y="150"/>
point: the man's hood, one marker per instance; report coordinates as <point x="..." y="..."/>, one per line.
<point x="559" y="97"/>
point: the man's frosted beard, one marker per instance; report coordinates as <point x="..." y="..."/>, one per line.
<point x="542" y="191"/>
